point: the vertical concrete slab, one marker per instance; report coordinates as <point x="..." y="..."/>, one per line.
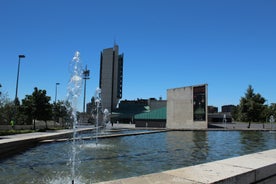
<point x="180" y="108"/>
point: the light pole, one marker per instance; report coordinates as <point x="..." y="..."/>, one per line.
<point x="18" y="69"/>
<point x="56" y="92"/>
<point x="86" y="74"/>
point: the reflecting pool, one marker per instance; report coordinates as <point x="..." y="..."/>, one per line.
<point x="129" y="156"/>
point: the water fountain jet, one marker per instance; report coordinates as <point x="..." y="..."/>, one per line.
<point x="98" y="101"/>
<point x="74" y="91"/>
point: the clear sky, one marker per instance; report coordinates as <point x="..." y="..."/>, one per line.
<point x="228" y="44"/>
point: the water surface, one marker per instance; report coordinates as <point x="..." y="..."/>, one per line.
<point x="129" y="156"/>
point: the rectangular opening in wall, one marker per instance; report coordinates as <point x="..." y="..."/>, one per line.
<point x="199" y="102"/>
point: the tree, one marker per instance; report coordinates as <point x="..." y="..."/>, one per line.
<point x="37" y="106"/>
<point x="236" y="112"/>
<point x="7" y="108"/>
<point x="61" y="110"/>
<point x="7" y="112"/>
<point x="3" y="98"/>
<point x="270" y="110"/>
<point x="251" y="106"/>
<point x="27" y="109"/>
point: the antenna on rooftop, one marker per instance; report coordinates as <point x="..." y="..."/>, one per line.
<point x="114" y="40"/>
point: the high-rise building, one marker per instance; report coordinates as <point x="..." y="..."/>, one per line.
<point x="111" y="77"/>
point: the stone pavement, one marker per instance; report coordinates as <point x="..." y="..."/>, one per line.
<point x="253" y="168"/>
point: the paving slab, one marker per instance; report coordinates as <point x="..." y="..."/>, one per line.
<point x="157" y="178"/>
<point x="253" y="168"/>
<point x="263" y="163"/>
<point x="212" y="172"/>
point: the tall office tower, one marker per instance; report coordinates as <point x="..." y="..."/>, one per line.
<point x="111" y="77"/>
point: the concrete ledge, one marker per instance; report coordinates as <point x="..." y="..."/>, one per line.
<point x="10" y="145"/>
<point x="253" y="168"/>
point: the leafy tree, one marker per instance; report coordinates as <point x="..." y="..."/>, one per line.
<point x="272" y="109"/>
<point x="3" y="98"/>
<point x="0" y="87"/>
<point x="7" y="112"/>
<point x="37" y="106"/>
<point x="61" y="111"/>
<point x="251" y="106"/>
<point x="16" y="102"/>
<point x="235" y="112"/>
<point x="6" y="108"/>
<point x="27" y="109"/>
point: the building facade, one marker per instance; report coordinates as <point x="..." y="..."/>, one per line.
<point x="187" y="107"/>
<point x="227" y="108"/>
<point x="128" y="109"/>
<point x="111" y="77"/>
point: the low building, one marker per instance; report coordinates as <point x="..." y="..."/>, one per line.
<point x="212" y="109"/>
<point x="219" y="117"/>
<point x="227" y="108"/>
<point x="155" y="118"/>
<point x="129" y="108"/>
<point x="187" y="107"/>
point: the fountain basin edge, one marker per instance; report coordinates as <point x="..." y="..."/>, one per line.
<point x="256" y="168"/>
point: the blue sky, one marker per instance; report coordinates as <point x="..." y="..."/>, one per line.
<point x="228" y="44"/>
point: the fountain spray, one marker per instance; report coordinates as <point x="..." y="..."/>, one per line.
<point x="74" y="91"/>
<point x="98" y="106"/>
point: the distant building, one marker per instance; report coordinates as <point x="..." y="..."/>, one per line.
<point x="227" y="108"/>
<point x="128" y="109"/>
<point x="155" y="118"/>
<point x="218" y="117"/>
<point x="111" y="77"/>
<point x="212" y="109"/>
<point x="153" y="103"/>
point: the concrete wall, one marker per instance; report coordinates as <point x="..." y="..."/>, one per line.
<point x="180" y="109"/>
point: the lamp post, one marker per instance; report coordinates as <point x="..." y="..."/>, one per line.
<point x="56" y="92"/>
<point x="86" y="74"/>
<point x="18" y="69"/>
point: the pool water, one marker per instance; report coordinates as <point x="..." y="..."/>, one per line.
<point x="122" y="157"/>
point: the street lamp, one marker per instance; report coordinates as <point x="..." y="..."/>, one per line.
<point x="86" y="74"/>
<point x="18" y="69"/>
<point x="56" y="92"/>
